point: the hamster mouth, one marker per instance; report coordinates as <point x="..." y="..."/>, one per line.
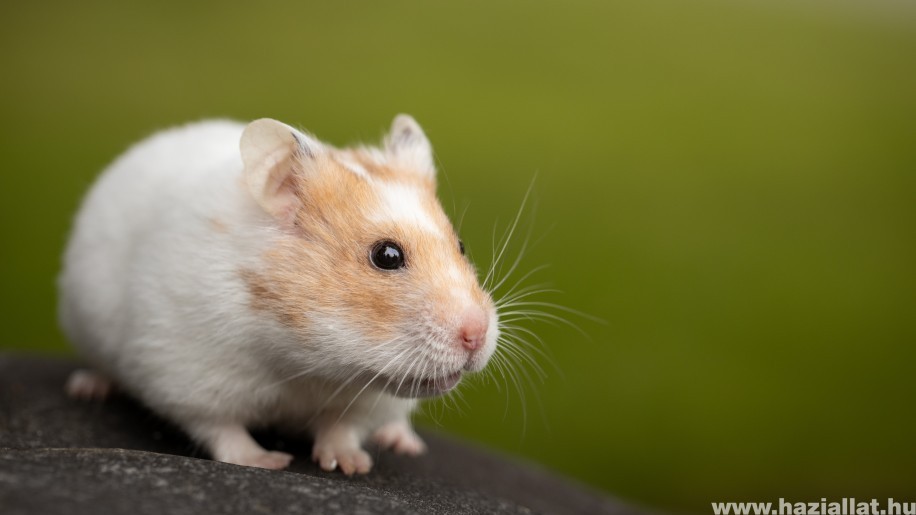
<point x="415" y="387"/>
<point x="441" y="385"/>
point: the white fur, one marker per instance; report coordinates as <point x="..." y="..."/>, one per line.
<point x="150" y="293"/>
<point x="356" y="169"/>
<point x="401" y="204"/>
<point x="407" y="144"/>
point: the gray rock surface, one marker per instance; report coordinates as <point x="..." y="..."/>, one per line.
<point x="60" y="456"/>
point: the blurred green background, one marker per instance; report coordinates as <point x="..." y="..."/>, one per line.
<point x="730" y="186"/>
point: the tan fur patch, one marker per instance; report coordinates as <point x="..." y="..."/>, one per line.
<point x="323" y="270"/>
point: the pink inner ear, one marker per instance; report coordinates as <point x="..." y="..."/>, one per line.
<point x="280" y="192"/>
<point x="287" y="200"/>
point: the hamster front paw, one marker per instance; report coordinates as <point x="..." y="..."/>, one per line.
<point x="88" y="385"/>
<point x="399" y="437"/>
<point x="349" y="459"/>
<point x="337" y="445"/>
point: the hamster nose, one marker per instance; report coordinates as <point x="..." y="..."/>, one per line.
<point x="473" y="330"/>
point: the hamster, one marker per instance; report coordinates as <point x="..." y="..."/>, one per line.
<point x="232" y="277"/>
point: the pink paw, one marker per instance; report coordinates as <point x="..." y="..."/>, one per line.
<point x="350" y="460"/>
<point x="88" y="385"/>
<point x="273" y="460"/>
<point x="400" y="438"/>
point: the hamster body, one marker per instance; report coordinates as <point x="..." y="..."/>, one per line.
<point x="233" y="277"/>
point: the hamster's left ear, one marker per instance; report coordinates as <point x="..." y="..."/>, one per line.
<point x="274" y="154"/>
<point x="407" y="145"/>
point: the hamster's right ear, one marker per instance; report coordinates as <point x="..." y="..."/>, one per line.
<point x="274" y="154"/>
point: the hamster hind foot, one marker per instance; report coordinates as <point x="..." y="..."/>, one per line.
<point x="88" y="385"/>
<point x="231" y="443"/>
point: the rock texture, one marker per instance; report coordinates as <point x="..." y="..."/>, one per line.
<point x="59" y="456"/>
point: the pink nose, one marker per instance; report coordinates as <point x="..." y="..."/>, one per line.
<point x="473" y="331"/>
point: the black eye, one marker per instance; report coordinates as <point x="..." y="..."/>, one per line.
<point x="461" y="247"/>
<point x="387" y="255"/>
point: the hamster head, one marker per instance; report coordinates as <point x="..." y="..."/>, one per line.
<point x="366" y="272"/>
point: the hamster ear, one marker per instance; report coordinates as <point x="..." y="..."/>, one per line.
<point x="273" y="154"/>
<point x="408" y="146"/>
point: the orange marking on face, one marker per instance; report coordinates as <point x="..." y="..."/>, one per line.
<point x="323" y="269"/>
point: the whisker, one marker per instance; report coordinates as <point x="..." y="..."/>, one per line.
<point x="511" y="231"/>
<point x="498" y="359"/>
<point x="343" y="385"/>
<point x="419" y="354"/>
<point x="518" y="257"/>
<point x="380" y="372"/>
<point x="562" y="308"/>
<point x="416" y="350"/>
<point x="525" y="293"/>
<point x="523" y="358"/>
<point x="544" y="354"/>
<point x="521" y="393"/>
<point x="464" y="211"/>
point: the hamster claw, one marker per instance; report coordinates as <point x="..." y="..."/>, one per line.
<point x="350" y="461"/>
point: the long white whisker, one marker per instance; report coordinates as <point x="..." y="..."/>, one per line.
<point x="528" y="345"/>
<point x="348" y="381"/>
<point x="522" y="357"/>
<point x="525" y="293"/>
<point x="416" y="357"/>
<point x="518" y="258"/>
<point x="512" y="228"/>
<point x="521" y="393"/>
<point x="416" y="350"/>
<point x="380" y="372"/>
<point x="561" y="308"/>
